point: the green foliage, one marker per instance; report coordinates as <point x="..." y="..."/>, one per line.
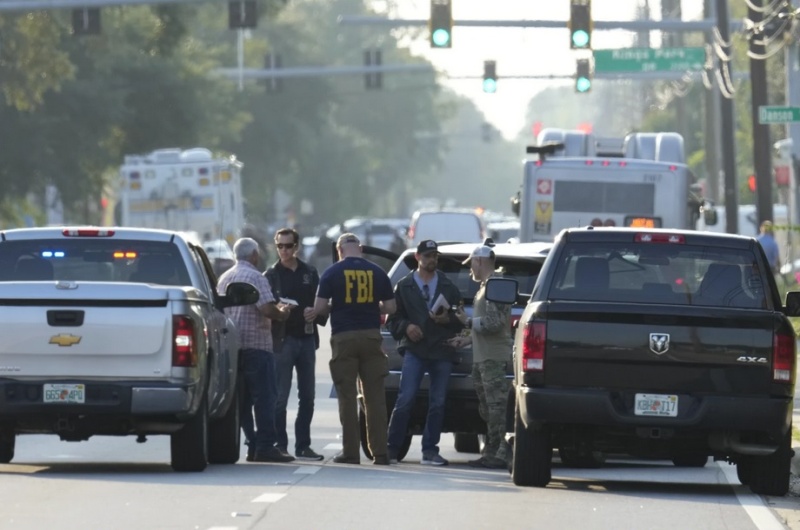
<point x="75" y="106"/>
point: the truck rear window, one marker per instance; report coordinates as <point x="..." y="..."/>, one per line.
<point x="660" y="274"/>
<point x="106" y="260"/>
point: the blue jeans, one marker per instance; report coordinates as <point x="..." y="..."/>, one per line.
<point x="300" y="354"/>
<point x="258" y="368"/>
<point x="414" y="369"/>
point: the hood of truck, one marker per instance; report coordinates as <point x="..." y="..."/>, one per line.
<point x="97" y="330"/>
<point x="660" y="348"/>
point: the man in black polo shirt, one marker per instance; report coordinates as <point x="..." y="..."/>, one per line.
<point x="295" y="341"/>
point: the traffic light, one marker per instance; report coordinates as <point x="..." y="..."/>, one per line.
<point x="441" y="24"/>
<point x="86" y="21"/>
<point x="583" y="76"/>
<point x="490" y="77"/>
<point x="751" y="183"/>
<point x="242" y="14"/>
<point x="580" y="24"/>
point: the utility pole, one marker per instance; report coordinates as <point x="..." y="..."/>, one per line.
<point x="761" y="144"/>
<point x="713" y="160"/>
<point x="728" y="139"/>
<point x="792" y="56"/>
<point x="671" y="10"/>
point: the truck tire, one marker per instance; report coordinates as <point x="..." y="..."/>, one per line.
<point x="770" y="474"/>
<point x="744" y="469"/>
<point x="224" y="436"/>
<point x="189" y="446"/>
<point x="362" y="423"/>
<point x="533" y="455"/>
<point x="8" y="441"/>
<point x="582" y="459"/>
<point x="467" y="442"/>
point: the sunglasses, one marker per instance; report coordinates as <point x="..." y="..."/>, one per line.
<point x="282" y="246"/>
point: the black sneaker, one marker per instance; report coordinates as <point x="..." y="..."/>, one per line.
<point x="308" y="454"/>
<point x="272" y="455"/>
<point x="488" y="462"/>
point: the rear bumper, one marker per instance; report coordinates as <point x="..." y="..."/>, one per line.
<point x="22" y="400"/>
<point x="602" y="408"/>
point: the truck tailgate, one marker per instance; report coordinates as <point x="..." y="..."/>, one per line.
<point x="659" y="348"/>
<point x="95" y="330"/>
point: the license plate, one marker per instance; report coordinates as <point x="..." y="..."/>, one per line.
<point x="63" y="393"/>
<point x="656" y="405"/>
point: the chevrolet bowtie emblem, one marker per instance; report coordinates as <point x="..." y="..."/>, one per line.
<point x="65" y="339"/>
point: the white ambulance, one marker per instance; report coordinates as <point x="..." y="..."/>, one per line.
<point x="187" y="190"/>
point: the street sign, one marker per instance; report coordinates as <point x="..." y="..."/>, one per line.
<point x="649" y="60"/>
<point x="773" y="114"/>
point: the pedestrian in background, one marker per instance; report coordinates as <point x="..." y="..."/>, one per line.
<point x="356" y="292"/>
<point x="258" y="365"/>
<point x="423" y="336"/>
<point x="491" y="341"/>
<point x="295" y="341"/>
<point x="766" y="237"/>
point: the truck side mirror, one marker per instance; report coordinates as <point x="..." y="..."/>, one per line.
<point x="502" y="290"/>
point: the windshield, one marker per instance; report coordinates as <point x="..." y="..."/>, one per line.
<point x="92" y="260"/>
<point x="659" y="274"/>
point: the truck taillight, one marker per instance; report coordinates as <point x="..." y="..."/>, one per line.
<point x="783" y="358"/>
<point x="533" y="341"/>
<point x="184" y="347"/>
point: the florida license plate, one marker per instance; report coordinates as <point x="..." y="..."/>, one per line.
<point x="656" y="405"/>
<point x="64" y="393"/>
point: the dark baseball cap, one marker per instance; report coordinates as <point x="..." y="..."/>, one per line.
<point x="428" y="245"/>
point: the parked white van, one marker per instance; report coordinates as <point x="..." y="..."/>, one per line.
<point x="457" y="225"/>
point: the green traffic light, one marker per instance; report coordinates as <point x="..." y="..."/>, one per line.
<point x="580" y="38"/>
<point x="583" y="84"/>
<point x="490" y="86"/>
<point x="440" y="37"/>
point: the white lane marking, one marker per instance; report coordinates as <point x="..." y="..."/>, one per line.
<point x="269" y="497"/>
<point x="334" y="447"/>
<point x="307" y="470"/>
<point x="761" y="515"/>
<point x="224" y="528"/>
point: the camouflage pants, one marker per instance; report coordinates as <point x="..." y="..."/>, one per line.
<point x="492" y="387"/>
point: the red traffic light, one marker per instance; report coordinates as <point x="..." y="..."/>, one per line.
<point x="751" y="183"/>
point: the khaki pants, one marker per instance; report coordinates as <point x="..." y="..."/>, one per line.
<point x="357" y="355"/>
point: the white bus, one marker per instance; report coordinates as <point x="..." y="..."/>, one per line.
<point x="561" y="192"/>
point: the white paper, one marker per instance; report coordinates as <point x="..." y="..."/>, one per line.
<point x="441" y="304"/>
<point x="288" y="301"/>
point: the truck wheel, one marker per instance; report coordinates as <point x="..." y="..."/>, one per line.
<point x="362" y="424"/>
<point x="769" y="475"/>
<point x="189" y="446"/>
<point x="7" y="442"/>
<point x="533" y="455"/>
<point x="467" y="442"/>
<point x="582" y="459"/>
<point x="744" y="469"/>
<point x="224" y="436"/>
<point x="695" y="460"/>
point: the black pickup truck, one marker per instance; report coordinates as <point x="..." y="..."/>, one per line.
<point x="656" y="344"/>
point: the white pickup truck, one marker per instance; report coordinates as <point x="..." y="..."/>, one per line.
<point x="118" y="331"/>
